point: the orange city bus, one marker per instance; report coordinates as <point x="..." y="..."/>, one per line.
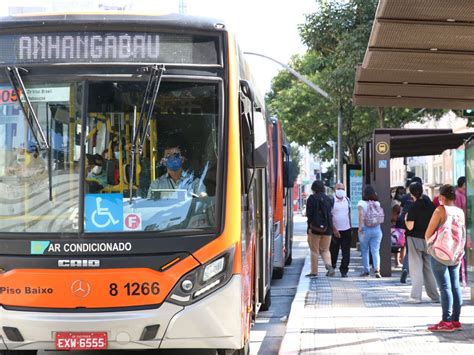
<point x="282" y="198"/>
<point x="133" y="180"/>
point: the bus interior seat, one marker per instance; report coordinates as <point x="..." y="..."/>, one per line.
<point x="93" y="187"/>
<point x="110" y="171"/>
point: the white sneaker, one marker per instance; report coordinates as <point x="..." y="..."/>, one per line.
<point x="412" y="301"/>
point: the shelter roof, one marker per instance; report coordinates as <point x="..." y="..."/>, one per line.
<point x="420" y="54"/>
<point x="420" y="142"/>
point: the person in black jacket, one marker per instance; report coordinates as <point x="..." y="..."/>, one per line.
<point x="318" y="212"/>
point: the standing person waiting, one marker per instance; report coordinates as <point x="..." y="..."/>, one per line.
<point x="341" y="234"/>
<point x="318" y="212"/>
<point x="407" y="201"/>
<point x="449" y="217"/>
<point x="417" y="220"/>
<point x="370" y="235"/>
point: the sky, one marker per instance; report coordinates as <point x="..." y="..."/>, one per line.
<point x="267" y="27"/>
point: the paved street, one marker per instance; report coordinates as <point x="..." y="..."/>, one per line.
<point x="269" y="329"/>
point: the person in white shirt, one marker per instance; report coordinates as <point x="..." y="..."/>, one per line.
<point x="341" y="236"/>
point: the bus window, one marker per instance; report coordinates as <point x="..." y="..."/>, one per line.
<point x="39" y="188"/>
<point x="174" y="179"/>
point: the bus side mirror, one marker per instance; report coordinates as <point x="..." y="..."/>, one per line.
<point x="256" y="152"/>
<point x="288" y="175"/>
<point x="261" y="145"/>
<point x="247" y="90"/>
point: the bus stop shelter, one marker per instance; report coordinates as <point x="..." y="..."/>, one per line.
<point x="420" y="55"/>
<point x="396" y="143"/>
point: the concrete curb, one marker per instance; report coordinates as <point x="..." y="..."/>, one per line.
<point x="291" y="342"/>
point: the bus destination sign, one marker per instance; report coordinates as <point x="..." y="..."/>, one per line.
<point x="89" y="47"/>
<point x="94" y="47"/>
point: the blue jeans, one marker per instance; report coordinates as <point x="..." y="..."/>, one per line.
<point x="447" y="278"/>
<point x="370" y="238"/>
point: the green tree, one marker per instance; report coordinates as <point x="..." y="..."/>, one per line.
<point x="336" y="37"/>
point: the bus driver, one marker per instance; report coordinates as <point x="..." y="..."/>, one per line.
<point x="176" y="177"/>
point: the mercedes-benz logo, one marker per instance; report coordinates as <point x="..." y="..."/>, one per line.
<point x="80" y="288"/>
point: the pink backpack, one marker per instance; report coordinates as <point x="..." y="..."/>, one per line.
<point x="374" y="215"/>
<point x="446" y="245"/>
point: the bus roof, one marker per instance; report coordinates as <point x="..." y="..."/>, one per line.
<point x="109" y="18"/>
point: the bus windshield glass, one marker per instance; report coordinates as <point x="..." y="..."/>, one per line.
<point x="174" y="183"/>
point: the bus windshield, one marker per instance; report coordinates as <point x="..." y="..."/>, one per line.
<point x="174" y="183"/>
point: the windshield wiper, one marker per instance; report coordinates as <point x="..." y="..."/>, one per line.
<point x="148" y="105"/>
<point x="28" y="111"/>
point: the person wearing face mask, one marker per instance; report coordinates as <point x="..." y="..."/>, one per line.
<point x="176" y="177"/>
<point x="96" y="171"/>
<point x="341" y="236"/>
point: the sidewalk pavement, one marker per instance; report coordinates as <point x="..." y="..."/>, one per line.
<point x="360" y="315"/>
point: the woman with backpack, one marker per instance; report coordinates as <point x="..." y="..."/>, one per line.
<point x="446" y="237"/>
<point x="370" y="234"/>
<point x="318" y="212"/>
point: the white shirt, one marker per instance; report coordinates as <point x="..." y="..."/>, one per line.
<point x="185" y="182"/>
<point x="340" y="214"/>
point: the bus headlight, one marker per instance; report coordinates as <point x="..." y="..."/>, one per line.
<point x="203" y="280"/>
<point x="213" y="269"/>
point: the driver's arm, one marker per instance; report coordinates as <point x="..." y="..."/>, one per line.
<point x="198" y="186"/>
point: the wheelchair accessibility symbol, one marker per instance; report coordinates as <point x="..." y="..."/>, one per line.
<point x="104" y="212"/>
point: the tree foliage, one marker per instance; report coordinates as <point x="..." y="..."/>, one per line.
<point x="336" y="36"/>
<point x="295" y="160"/>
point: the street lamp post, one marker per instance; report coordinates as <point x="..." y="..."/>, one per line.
<point x="295" y="73"/>
<point x="326" y="96"/>
<point x="333" y="145"/>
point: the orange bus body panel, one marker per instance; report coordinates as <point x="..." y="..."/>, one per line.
<point x="96" y="283"/>
<point x="233" y="213"/>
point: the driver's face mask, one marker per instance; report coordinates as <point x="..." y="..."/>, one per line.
<point x="173" y="161"/>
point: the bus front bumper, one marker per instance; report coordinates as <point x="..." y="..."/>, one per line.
<point x="213" y="322"/>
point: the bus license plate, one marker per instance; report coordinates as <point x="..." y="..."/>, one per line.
<point x="81" y="341"/>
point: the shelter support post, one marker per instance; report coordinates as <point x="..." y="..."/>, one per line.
<point x="381" y="183"/>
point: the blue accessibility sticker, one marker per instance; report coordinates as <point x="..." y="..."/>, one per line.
<point x="104" y="213"/>
<point x="38" y="247"/>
